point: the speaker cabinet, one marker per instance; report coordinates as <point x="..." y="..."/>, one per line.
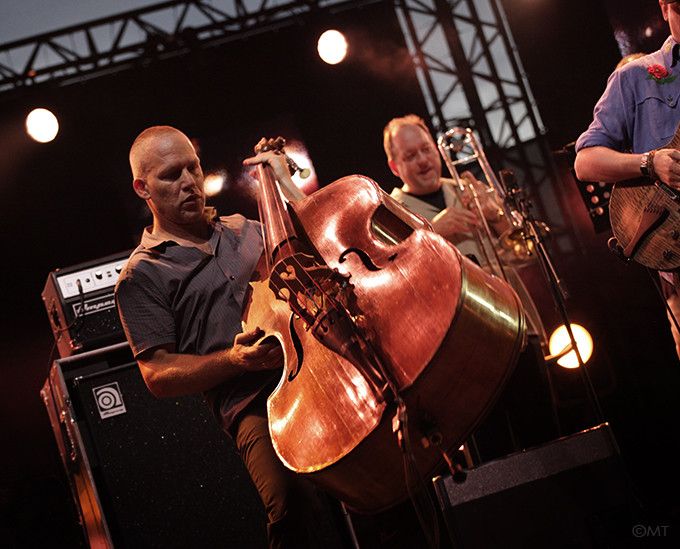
<point x="147" y="472"/>
<point x="568" y="493"/>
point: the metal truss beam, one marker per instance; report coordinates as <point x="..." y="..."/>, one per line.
<point x="469" y="67"/>
<point x="162" y="30"/>
<point x="465" y="59"/>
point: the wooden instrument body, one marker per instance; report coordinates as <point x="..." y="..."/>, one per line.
<point x="645" y="220"/>
<point x="448" y="332"/>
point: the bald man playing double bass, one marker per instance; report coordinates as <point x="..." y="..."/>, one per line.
<point x="180" y="299"/>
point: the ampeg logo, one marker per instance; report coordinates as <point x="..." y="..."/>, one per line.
<point x="94" y="305"/>
<point x="109" y="400"/>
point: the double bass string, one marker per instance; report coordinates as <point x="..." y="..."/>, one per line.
<point x="373" y="359"/>
<point x="281" y="214"/>
<point x="422" y="501"/>
<point x="265" y="240"/>
<point x="278" y="209"/>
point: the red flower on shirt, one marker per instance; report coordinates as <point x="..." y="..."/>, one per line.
<point x="657" y="71"/>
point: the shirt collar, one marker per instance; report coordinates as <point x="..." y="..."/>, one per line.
<point x="667" y="50"/>
<point x="150" y="240"/>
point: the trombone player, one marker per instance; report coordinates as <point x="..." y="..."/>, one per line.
<point x="413" y="157"/>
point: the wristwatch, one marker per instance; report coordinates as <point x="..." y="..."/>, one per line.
<point x="647" y="165"/>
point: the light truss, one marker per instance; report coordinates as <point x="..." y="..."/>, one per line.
<point x="465" y="59"/>
<point x="162" y="30"/>
<point x="468" y="67"/>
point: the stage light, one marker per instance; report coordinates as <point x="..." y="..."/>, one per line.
<point x="42" y="125"/>
<point x="214" y="183"/>
<point x="560" y="343"/>
<point x="332" y="47"/>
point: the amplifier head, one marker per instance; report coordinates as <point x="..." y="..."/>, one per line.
<point x="80" y="304"/>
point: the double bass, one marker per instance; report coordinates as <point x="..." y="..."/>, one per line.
<point x="380" y="319"/>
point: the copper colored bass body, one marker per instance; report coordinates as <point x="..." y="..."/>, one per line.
<point x="447" y="332"/>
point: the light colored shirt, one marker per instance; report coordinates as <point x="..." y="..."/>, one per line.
<point x="465" y="246"/>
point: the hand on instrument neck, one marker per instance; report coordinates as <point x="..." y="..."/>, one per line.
<point x="277" y="162"/>
<point x="667" y="167"/>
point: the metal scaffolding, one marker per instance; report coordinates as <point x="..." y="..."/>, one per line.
<point x="163" y="30"/>
<point x="468" y="67"/>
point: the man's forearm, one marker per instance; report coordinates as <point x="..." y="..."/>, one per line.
<point x="607" y="165"/>
<point x="170" y="374"/>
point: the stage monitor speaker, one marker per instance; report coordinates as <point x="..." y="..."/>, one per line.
<point x="571" y="492"/>
<point x="147" y="472"/>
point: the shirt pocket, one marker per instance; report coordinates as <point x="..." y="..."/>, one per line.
<point x="658" y="115"/>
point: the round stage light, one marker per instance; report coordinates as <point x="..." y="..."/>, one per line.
<point x="214" y="183"/>
<point x="332" y="47"/>
<point x="41" y="125"/>
<point x="559" y="343"/>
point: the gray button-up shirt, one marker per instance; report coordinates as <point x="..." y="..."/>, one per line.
<point x="173" y="294"/>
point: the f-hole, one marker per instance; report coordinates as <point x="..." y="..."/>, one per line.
<point x="297" y="344"/>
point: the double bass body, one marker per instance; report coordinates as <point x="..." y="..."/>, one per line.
<point x="447" y="333"/>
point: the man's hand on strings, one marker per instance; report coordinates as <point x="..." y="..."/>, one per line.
<point x="667" y="167"/>
<point x="277" y="160"/>
<point x="273" y="158"/>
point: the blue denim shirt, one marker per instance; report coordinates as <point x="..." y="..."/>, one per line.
<point x="637" y="113"/>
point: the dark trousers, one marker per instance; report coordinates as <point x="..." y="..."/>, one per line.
<point x="298" y="515"/>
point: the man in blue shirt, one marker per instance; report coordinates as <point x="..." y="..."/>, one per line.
<point x="637" y="113"/>
<point x="634" y="121"/>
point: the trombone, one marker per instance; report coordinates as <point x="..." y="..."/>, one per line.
<point x="460" y="147"/>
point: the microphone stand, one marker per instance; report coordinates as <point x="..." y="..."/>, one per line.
<point x="533" y="235"/>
